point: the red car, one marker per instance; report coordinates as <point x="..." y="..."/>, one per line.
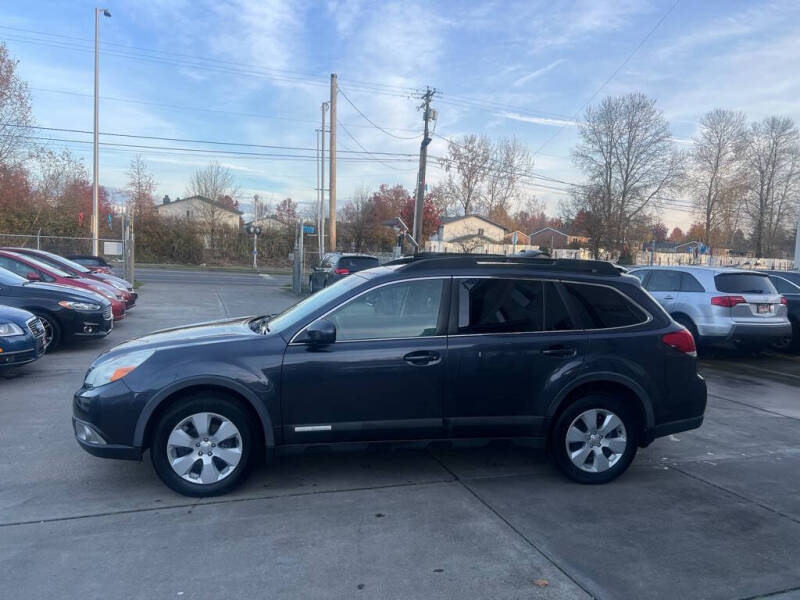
<point x="34" y="270"/>
<point x="73" y="268"/>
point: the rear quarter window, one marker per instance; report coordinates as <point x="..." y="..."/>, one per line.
<point x="744" y="283"/>
<point x="602" y="307"/>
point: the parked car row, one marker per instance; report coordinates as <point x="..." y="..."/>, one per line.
<point x="46" y="299"/>
<point x="718" y="305"/>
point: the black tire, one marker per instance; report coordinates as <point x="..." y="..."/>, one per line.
<point x="558" y="440"/>
<point x="790" y="344"/>
<point x="50" y="323"/>
<point x="203" y="402"/>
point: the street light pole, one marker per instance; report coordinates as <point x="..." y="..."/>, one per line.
<point x="95" y="195"/>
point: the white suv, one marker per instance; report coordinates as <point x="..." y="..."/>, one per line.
<point x="720" y="305"/>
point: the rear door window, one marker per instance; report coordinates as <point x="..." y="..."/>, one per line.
<point x="744" y="283"/>
<point x="602" y="307"/>
<point x="500" y="306"/>
<point x="690" y="284"/>
<point x="357" y="263"/>
<point x="664" y="281"/>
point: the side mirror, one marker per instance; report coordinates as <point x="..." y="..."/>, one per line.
<point x="321" y="333"/>
<point x="33" y="277"/>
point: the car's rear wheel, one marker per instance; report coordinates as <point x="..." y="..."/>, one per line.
<point x="595" y="439"/>
<point x="790" y="343"/>
<point x="52" y="331"/>
<point x="202" y="445"/>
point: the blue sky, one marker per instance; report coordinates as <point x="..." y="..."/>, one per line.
<point x="255" y="72"/>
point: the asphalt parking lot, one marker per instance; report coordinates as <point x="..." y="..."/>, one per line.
<point x="711" y="513"/>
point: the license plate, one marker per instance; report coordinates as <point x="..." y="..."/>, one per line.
<point x="764" y="308"/>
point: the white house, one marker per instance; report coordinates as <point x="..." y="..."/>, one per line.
<point x="199" y="209"/>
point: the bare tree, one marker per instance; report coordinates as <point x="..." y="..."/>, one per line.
<point x="141" y="187"/>
<point x="359" y="216"/>
<point x="466" y="166"/>
<point x="509" y="161"/>
<point x="15" y="111"/>
<point x="589" y="212"/>
<point x="716" y="160"/>
<point x="772" y="165"/>
<point x="627" y="154"/>
<point x="55" y="172"/>
<point x="214" y="182"/>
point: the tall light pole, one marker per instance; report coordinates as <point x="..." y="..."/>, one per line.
<point x="95" y="195"/>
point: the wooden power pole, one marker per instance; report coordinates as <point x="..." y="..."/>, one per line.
<point x="419" y="202"/>
<point x="332" y="182"/>
<point x="322" y="183"/>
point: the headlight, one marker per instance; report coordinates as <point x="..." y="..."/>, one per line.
<point x="115" y="368"/>
<point x="9" y="329"/>
<point x="79" y="305"/>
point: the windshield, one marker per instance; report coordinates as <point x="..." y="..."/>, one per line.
<point x="357" y="263"/>
<point x="59" y="261"/>
<point x="744" y="283"/>
<point x="9" y="278"/>
<point x="310" y="305"/>
<point x="47" y="267"/>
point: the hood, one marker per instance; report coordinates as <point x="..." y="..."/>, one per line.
<point x="68" y="292"/>
<point x="211" y="331"/>
<point x="15" y="315"/>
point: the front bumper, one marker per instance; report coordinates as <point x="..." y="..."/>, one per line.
<point x="90" y="325"/>
<point x="118" y="451"/>
<point x="111" y="411"/>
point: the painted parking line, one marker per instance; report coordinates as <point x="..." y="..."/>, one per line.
<point x="265" y="276"/>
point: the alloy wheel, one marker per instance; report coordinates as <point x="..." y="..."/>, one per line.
<point x="48" y="332"/>
<point x="596" y="440"/>
<point x="204" y="448"/>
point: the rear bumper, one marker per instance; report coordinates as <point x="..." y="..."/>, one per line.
<point x="751" y="332"/>
<point x="673" y="427"/>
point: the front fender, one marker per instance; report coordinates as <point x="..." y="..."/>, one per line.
<point x="210" y="380"/>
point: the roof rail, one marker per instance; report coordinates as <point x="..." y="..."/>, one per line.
<point x="425" y="261"/>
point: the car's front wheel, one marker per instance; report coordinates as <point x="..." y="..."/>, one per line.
<point x="202" y="445"/>
<point x="595" y="439"/>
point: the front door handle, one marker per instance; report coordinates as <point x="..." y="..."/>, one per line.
<point x="559" y="351"/>
<point x="422" y="358"/>
<point x="669" y="297"/>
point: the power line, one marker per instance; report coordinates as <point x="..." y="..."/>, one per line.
<point x="213" y="142"/>
<point x="196" y="108"/>
<point x="352" y="137"/>
<point x="614" y="74"/>
<point x="378" y="127"/>
<point x="305" y="157"/>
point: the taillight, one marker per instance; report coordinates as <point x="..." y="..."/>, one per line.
<point x="341" y="271"/>
<point x="784" y="301"/>
<point x="681" y="340"/>
<point x="728" y="301"/>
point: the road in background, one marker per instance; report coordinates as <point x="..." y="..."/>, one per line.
<point x="712" y="513"/>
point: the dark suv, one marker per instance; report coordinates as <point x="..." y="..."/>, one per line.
<point x="569" y="354"/>
<point x="334" y="266"/>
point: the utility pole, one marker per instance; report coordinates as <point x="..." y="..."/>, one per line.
<point x="322" y="174"/>
<point x="332" y="184"/>
<point x="95" y="190"/>
<point x="320" y="216"/>
<point x="427" y="116"/>
<point x="797" y="244"/>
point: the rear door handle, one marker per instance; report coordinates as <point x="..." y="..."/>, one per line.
<point x="669" y="297"/>
<point x="559" y="351"/>
<point x="422" y="358"/>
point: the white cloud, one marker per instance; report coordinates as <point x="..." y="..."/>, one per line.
<point x="538" y="72"/>
<point x="539" y="120"/>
